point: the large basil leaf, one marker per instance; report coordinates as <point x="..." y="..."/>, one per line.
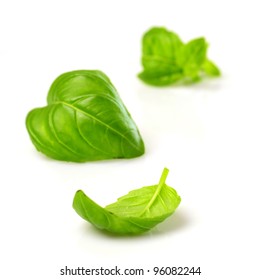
<point x="85" y="120"/>
<point x="137" y="212"/>
<point x="167" y="60"/>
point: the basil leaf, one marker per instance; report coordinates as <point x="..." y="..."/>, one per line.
<point x="194" y="55"/>
<point x="85" y="120"/>
<point x="161" y="49"/>
<point x="159" y="77"/>
<point x="137" y="212"/>
<point x="167" y="60"/>
<point x="210" y="68"/>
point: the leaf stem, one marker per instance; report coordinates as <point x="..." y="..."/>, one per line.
<point x="163" y="177"/>
<point x="158" y="189"/>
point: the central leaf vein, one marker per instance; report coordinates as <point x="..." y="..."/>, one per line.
<point x="97" y="120"/>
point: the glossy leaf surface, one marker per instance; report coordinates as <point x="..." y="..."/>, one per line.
<point x="137" y="212"/>
<point x="85" y="120"/>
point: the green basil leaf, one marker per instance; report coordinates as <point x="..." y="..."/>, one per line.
<point x="167" y="60"/>
<point x="159" y="77"/>
<point x="194" y="52"/>
<point x="137" y="212"/>
<point x="194" y="55"/>
<point x="85" y="120"/>
<point x="210" y="68"/>
<point x="161" y="49"/>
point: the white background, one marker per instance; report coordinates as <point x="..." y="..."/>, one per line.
<point x="206" y="134"/>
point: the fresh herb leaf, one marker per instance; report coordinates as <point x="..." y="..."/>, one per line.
<point x="158" y="77"/>
<point x="85" y="120"/>
<point x="210" y="68"/>
<point x="137" y="212"/>
<point x="167" y="60"/>
<point x="194" y="55"/>
<point x="161" y="49"/>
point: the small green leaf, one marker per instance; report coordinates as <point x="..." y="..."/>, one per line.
<point x="195" y="51"/>
<point x="160" y="78"/>
<point x="210" y="68"/>
<point x="137" y="212"/>
<point x="194" y="55"/>
<point x="160" y="48"/>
